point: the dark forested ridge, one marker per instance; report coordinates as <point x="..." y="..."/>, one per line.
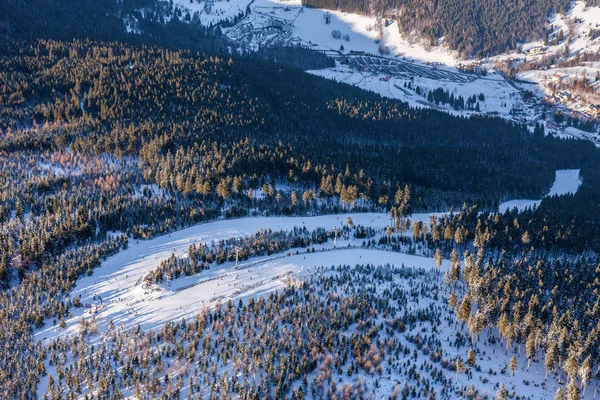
<point x="162" y="23"/>
<point x="475" y="28"/>
<point x="154" y="102"/>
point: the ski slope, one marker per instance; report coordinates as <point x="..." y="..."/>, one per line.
<point x="117" y="285"/>
<point x="118" y="292"/>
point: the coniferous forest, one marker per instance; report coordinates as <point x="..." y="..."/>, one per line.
<point x="474" y="28"/>
<point x="108" y="139"/>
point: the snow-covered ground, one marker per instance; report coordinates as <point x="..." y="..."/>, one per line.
<point x="117" y="290"/>
<point x="582" y="19"/>
<point x="567" y="181"/>
<point x="308" y="26"/>
<point x="499" y="96"/>
<point x="118" y="284"/>
<point x="212" y="12"/>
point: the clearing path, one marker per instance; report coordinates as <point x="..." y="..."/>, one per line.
<point x="567" y="181"/>
<point x="116" y="291"/>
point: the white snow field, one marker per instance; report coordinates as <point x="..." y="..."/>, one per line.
<point x="212" y="12"/>
<point x="118" y="284"/>
<point x="298" y="24"/>
<point x="500" y="96"/>
<point x="567" y="181"/>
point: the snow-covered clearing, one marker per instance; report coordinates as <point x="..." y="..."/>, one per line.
<point x="500" y="96"/>
<point x="423" y="294"/>
<point x="119" y="281"/>
<point x="567" y="181"/>
<point x="117" y="292"/>
<point x="212" y="12"/>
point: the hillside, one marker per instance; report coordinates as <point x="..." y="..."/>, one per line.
<point x="183" y="216"/>
<point x="473" y="28"/>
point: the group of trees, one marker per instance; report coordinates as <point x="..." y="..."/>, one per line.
<point x="145" y="135"/>
<point x="174" y="108"/>
<point x="343" y="322"/>
<point x="144" y="139"/>
<point x="201" y="256"/>
<point x="440" y="95"/>
<point x="473" y="28"/>
<point x="547" y="306"/>
<point x="560" y="224"/>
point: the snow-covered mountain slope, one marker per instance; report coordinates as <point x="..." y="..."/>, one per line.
<point x="416" y="340"/>
<point x="212" y="12"/>
<point x="290" y="22"/>
<point x="372" y="54"/>
<point x="118" y="285"/>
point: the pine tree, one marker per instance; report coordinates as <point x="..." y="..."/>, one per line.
<point x="438" y="258"/>
<point x="294" y="198"/>
<point x="460" y="367"/>
<point x="502" y="393"/>
<point x="525" y="238"/>
<point x="551" y="356"/>
<point x="512" y="366"/>
<point x="464" y="309"/>
<point x="388" y="233"/>
<point x="452" y="300"/>
<point x="572" y="390"/>
<point x="585" y="373"/>
<point x="571" y="366"/>
<point x="454" y="274"/>
<point x="530" y="347"/>
<point x="471" y="358"/>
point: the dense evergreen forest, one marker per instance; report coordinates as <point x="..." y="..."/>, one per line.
<point x="475" y="28"/>
<point x="170" y="107"/>
<point x="102" y="131"/>
<point x="92" y="132"/>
